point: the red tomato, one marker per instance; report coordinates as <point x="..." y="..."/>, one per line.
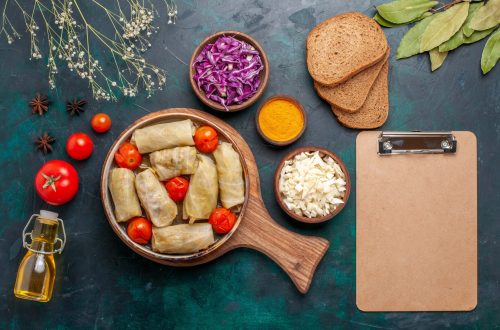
<point x="100" y="122"/>
<point x="222" y="220"/>
<point x="177" y="188"/>
<point x="139" y="230"/>
<point x="79" y="146"/>
<point x="128" y="156"/>
<point x="56" y="182"/>
<point x="206" y="139"/>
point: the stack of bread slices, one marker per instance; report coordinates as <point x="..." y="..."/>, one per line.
<point x="347" y="56"/>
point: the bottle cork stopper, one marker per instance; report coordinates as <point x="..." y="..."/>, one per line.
<point x="48" y="214"/>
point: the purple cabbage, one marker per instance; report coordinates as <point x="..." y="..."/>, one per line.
<point x="228" y="71"/>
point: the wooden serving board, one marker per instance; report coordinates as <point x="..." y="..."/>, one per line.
<point x="297" y="255"/>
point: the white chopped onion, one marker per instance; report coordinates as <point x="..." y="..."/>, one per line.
<point x="312" y="184"/>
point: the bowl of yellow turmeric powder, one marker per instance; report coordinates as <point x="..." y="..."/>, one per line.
<point x="281" y="120"/>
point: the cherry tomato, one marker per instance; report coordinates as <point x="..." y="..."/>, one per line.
<point x="222" y="220"/>
<point x="100" y="122"/>
<point x="56" y="182"/>
<point x="206" y="139"/>
<point x="128" y="156"/>
<point x="79" y="146"/>
<point x="177" y="188"/>
<point x="139" y="229"/>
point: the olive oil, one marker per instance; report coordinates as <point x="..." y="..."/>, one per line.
<point x="37" y="270"/>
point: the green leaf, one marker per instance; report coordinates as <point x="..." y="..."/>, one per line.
<point x="410" y="43"/>
<point x="467" y="30"/>
<point x="456" y="41"/>
<point x="385" y="23"/>
<point x="424" y="15"/>
<point x="487" y="16"/>
<point x="463" y="40"/>
<point x="491" y="52"/>
<point x="437" y="58"/>
<point x="474" y="6"/>
<point x="404" y="11"/>
<point x="478" y="35"/>
<point x="380" y="20"/>
<point x="458" y="38"/>
<point x="444" y="26"/>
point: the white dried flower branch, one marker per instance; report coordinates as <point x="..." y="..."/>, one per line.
<point x="71" y="39"/>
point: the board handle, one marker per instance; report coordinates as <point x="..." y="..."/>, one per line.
<point x="296" y="254"/>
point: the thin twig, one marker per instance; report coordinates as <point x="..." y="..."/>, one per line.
<point x="62" y="22"/>
<point x="448" y="5"/>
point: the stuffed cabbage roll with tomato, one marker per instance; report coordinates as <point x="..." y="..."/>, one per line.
<point x="121" y="186"/>
<point x="169" y="163"/>
<point x="230" y="172"/>
<point x="160" y="208"/>
<point x="201" y="198"/>
<point x="182" y="238"/>
<point x="164" y="136"/>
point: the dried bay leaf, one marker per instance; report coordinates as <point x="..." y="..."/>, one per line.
<point x="437" y="58"/>
<point x="487" y="16"/>
<point x="404" y="11"/>
<point x="460" y="38"/>
<point x="385" y="23"/>
<point x="456" y="41"/>
<point x="410" y="43"/>
<point x="467" y="30"/>
<point x="444" y="26"/>
<point x="424" y="15"/>
<point x="491" y="52"/>
<point x="478" y="35"/>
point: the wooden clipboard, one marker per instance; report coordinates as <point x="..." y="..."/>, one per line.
<point x="416" y="223"/>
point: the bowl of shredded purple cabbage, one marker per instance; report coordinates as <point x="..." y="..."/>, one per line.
<point x="229" y="71"/>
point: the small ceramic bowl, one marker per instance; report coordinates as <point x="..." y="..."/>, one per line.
<point x="264" y="74"/>
<point x="296" y="103"/>
<point x="279" y="196"/>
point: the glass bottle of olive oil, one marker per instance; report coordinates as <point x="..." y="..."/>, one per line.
<point x="37" y="270"/>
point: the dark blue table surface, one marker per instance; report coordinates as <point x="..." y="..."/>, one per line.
<point x="101" y="283"/>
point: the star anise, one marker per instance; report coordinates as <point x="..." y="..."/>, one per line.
<point x="39" y="104"/>
<point x="44" y="143"/>
<point x="75" y="107"/>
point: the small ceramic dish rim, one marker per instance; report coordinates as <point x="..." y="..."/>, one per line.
<point x="264" y="74"/>
<point x="296" y="103"/>
<point x="279" y="197"/>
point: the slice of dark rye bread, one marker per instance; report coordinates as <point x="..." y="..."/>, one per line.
<point x="342" y="46"/>
<point x="350" y="95"/>
<point x="375" y="110"/>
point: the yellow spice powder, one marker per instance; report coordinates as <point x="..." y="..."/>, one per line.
<point x="280" y="120"/>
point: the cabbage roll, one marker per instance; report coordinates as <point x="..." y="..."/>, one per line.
<point x="164" y="136"/>
<point x="121" y="186"/>
<point x="201" y="198"/>
<point x="160" y="208"/>
<point x="182" y="238"/>
<point x="231" y="184"/>
<point x="169" y="163"/>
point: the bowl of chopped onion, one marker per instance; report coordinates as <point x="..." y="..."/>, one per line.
<point x="229" y="71"/>
<point x="312" y="184"/>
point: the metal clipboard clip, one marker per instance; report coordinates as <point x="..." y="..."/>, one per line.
<point x="416" y="142"/>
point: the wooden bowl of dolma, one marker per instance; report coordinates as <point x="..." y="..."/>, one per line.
<point x="120" y="228"/>
<point x="296" y="254"/>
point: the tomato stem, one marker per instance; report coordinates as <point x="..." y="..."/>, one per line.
<point x="50" y="181"/>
